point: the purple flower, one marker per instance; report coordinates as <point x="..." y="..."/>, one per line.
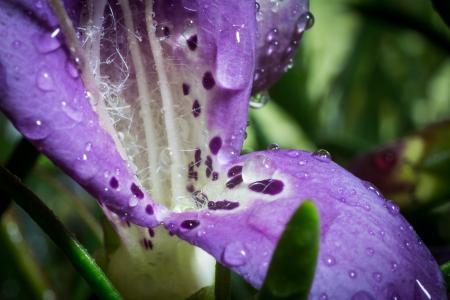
<point x="147" y="110"/>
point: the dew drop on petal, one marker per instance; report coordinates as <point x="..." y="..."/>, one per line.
<point x="362" y="295"/>
<point x="322" y="155"/>
<point x="273" y="147"/>
<point x="259" y="100"/>
<point x="235" y="254"/>
<point x="44" y="81"/>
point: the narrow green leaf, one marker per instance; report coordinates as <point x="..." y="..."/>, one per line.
<point x="222" y="283"/>
<point x="291" y="271"/>
<point x="445" y="268"/>
<point x="44" y="217"/>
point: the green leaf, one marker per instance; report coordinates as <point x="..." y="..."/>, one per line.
<point x="52" y="226"/>
<point x="222" y="283"/>
<point x="443" y="9"/>
<point x="445" y="268"/>
<point x="291" y="271"/>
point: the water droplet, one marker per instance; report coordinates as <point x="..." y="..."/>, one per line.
<point x="133" y="202"/>
<point x="47" y="42"/>
<point x="392" y="208"/>
<point x="305" y="22"/>
<point x="322" y="155"/>
<point x="330" y="260"/>
<point x="273" y="147"/>
<point x="370" y="251"/>
<point x="235" y="254"/>
<point x="162" y="32"/>
<point x="16" y="44"/>
<point x="44" y="81"/>
<point x="71" y="112"/>
<point x="259" y="100"/>
<point x="394" y="266"/>
<point x="293" y="153"/>
<point x="34" y="129"/>
<point x="352" y="274"/>
<point x="323" y="296"/>
<point x="377" y="276"/>
<point x="72" y="70"/>
<point x="302" y="162"/>
<point x="362" y="295"/>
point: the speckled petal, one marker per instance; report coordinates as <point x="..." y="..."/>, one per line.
<point x="280" y="26"/>
<point x="367" y="248"/>
<point x="42" y="93"/>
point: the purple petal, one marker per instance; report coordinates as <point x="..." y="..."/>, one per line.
<point x="367" y="248"/>
<point x="280" y="26"/>
<point x="42" y="93"/>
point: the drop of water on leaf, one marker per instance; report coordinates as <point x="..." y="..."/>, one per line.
<point x="235" y="254"/>
<point x="44" y="81"/>
<point x="322" y="155"/>
<point x="259" y="100"/>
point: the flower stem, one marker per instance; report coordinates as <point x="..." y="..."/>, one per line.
<point x="45" y="218"/>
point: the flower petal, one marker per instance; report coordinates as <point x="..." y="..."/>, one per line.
<point x="280" y="26"/>
<point x="174" y="79"/>
<point x="167" y="101"/>
<point x="367" y="248"/>
<point x="42" y="93"/>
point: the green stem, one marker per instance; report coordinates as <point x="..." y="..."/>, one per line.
<point x="222" y="283"/>
<point x="45" y="218"/>
<point x="445" y="268"/>
<point x="18" y="251"/>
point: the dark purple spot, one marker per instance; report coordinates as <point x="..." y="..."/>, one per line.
<point x="236" y="170"/>
<point x="198" y="157"/>
<point x="193" y="175"/>
<point x="136" y="191"/>
<point x="215" y="176"/>
<point x="149" y="209"/>
<point x="190" y="224"/>
<point x="234" y="181"/>
<point x="151" y="232"/>
<point x="224" y="204"/>
<point x="190" y="188"/>
<point x="267" y="186"/>
<point x="147" y="244"/>
<point x="128" y="223"/>
<point x="208" y="80"/>
<point x="208" y="172"/>
<point x="196" y="109"/>
<point x="186" y="89"/>
<point x="208" y="162"/>
<point x="114" y="183"/>
<point x="215" y="144"/>
<point x="192" y="42"/>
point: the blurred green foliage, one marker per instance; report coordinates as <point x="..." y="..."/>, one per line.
<point x="367" y="74"/>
